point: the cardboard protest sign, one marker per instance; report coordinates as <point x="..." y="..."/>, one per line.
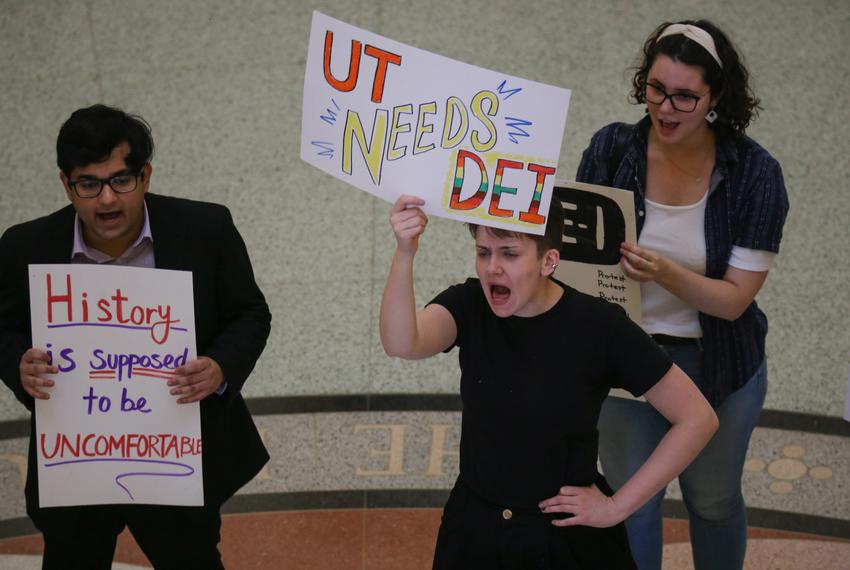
<point x="111" y="432"/>
<point x="597" y="219"/>
<point x="477" y="145"/>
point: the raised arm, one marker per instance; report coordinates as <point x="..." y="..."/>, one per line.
<point x="405" y="332"/>
<point x="693" y="422"/>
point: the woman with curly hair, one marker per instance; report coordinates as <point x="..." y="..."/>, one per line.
<point x="710" y="205"/>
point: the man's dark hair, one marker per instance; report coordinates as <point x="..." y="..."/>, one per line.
<point x="737" y="105"/>
<point x="90" y="135"/>
<point x="551" y="239"/>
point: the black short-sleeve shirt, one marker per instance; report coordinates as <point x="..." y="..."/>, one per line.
<point x="532" y="389"/>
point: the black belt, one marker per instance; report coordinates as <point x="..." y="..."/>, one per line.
<point x="519" y="514"/>
<point x="668" y="340"/>
<point x="473" y="500"/>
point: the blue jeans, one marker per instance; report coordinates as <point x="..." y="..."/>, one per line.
<point x="629" y="430"/>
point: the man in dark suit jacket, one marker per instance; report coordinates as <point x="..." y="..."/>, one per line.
<point x="104" y="158"/>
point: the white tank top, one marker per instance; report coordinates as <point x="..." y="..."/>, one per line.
<point x="678" y="233"/>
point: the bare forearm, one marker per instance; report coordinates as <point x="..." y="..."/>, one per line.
<point x="715" y="297"/>
<point x="398" y="328"/>
<point x="674" y="452"/>
<point x="590" y="507"/>
<point x="725" y="298"/>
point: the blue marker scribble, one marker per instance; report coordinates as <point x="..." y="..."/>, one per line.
<point x="516" y="129"/>
<point x="330" y="118"/>
<point x="190" y="469"/>
<point x="508" y="93"/>
<point x="327" y="148"/>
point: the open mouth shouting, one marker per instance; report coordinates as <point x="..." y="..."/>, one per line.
<point x="499" y="294"/>
<point x="500" y="297"/>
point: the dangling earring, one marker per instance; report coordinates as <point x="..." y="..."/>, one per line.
<point x="711" y="116"/>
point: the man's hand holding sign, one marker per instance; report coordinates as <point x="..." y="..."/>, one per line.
<point x="196" y="380"/>
<point x="34" y="366"/>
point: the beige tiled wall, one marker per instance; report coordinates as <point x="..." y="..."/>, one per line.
<point x="221" y="83"/>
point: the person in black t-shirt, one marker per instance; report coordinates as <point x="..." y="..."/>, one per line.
<point x="537" y="359"/>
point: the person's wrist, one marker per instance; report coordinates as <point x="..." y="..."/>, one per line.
<point x="666" y="271"/>
<point x="617" y="510"/>
<point x="405" y="252"/>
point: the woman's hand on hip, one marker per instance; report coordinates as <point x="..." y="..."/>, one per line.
<point x="588" y="505"/>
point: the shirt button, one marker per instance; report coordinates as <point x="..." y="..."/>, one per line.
<point x="507" y="514"/>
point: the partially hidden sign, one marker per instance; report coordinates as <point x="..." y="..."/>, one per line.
<point x="597" y="219"/>
<point x="111" y="432"/>
<point x="477" y="145"/>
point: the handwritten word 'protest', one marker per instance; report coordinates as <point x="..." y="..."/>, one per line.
<point x="113" y="311"/>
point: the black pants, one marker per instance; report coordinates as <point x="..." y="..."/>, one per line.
<point x="171" y="537"/>
<point x="476" y="535"/>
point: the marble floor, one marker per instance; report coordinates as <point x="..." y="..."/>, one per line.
<point x="403" y="539"/>
<point x="358" y="483"/>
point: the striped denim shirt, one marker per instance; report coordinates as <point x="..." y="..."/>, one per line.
<point x="747" y="208"/>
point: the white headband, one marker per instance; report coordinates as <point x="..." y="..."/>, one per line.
<point x="693" y="33"/>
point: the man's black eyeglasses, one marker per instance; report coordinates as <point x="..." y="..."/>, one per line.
<point x="92" y="187"/>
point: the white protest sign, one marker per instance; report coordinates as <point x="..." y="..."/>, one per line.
<point x="597" y="219"/>
<point x="476" y="145"/>
<point x="111" y="432"/>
